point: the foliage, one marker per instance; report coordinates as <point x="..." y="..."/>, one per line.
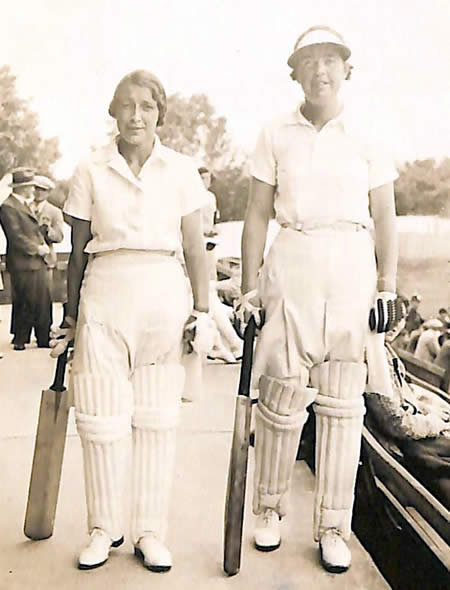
<point x="230" y="186"/>
<point x="423" y="188"/>
<point x="192" y="127"/>
<point x="20" y="141"/>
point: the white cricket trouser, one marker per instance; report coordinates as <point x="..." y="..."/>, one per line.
<point x="317" y="288"/>
<point x="127" y="377"/>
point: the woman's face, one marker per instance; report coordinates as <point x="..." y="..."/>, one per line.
<point x="320" y="70"/>
<point x="136" y="113"/>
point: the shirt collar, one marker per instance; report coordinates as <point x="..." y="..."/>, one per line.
<point x="22" y="199"/>
<point x="110" y="155"/>
<point x="109" y="152"/>
<point x="296" y="117"/>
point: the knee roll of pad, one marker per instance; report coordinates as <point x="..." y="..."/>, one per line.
<point x="102" y="429"/>
<point x="279" y="419"/>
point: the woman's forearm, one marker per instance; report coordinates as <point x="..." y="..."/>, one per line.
<point x="81" y="234"/>
<point x="386" y="238"/>
<point x="196" y="261"/>
<point x="75" y="273"/>
<point x="197" y="270"/>
<point x="254" y="234"/>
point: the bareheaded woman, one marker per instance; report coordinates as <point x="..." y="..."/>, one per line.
<point x="133" y="205"/>
<point x="325" y="178"/>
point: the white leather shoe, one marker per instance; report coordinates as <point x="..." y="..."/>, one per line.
<point x="96" y="552"/>
<point x="267" y="531"/>
<point x="153" y="553"/>
<point x="335" y="556"/>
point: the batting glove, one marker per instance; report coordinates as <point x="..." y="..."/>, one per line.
<point x="61" y="337"/>
<point x="199" y="332"/>
<point x="386" y="313"/>
<point x="244" y="309"/>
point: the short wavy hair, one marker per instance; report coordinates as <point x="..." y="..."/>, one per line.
<point x="147" y="80"/>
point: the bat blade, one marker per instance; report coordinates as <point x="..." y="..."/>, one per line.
<point x="237" y="471"/>
<point x="47" y="465"/>
<point x="48" y="456"/>
<point x="237" y="483"/>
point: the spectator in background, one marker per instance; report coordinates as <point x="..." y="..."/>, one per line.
<point x="227" y="344"/>
<point x="428" y="344"/>
<point x="210" y="212"/>
<point x="414" y="338"/>
<point x="401" y="340"/>
<point x="443" y="360"/>
<point x="25" y="253"/>
<point x="444" y="317"/>
<point x="50" y="218"/>
<point x="413" y="318"/>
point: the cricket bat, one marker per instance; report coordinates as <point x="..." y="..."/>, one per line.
<point x="48" y="456"/>
<point x="237" y="471"/>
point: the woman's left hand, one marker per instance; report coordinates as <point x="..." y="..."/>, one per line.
<point x="199" y="332"/>
<point x="386" y="313"/>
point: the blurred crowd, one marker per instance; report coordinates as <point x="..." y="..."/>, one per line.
<point x="428" y="340"/>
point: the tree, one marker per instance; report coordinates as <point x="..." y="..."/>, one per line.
<point x="192" y="127"/>
<point x="20" y="141"/>
<point x="423" y="188"/>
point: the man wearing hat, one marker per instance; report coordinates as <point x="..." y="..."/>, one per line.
<point x="50" y="218"/>
<point x="25" y="253"/>
<point x="324" y="178"/>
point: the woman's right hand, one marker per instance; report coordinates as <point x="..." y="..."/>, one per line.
<point x="245" y="307"/>
<point x="62" y="336"/>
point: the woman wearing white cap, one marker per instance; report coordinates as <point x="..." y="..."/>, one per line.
<point x="133" y="204"/>
<point x="317" y="286"/>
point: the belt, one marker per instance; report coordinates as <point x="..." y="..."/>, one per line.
<point x="313" y="224"/>
<point x="131" y="251"/>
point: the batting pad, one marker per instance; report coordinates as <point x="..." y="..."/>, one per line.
<point x="279" y="418"/>
<point x="157" y="392"/>
<point x="339" y="410"/>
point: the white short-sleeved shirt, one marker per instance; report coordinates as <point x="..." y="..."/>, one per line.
<point x="320" y="174"/>
<point x="137" y="213"/>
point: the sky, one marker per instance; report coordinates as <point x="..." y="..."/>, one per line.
<point x="68" y="57"/>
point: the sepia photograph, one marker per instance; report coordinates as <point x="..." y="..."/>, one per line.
<point x="225" y="295"/>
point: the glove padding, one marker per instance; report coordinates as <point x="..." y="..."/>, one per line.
<point x="62" y="336"/>
<point x="244" y="310"/>
<point x="387" y="312"/>
<point x="199" y="332"/>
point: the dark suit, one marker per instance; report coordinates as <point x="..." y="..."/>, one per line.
<point x="28" y="272"/>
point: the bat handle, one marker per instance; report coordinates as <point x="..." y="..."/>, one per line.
<point x="58" y="383"/>
<point x="247" y="358"/>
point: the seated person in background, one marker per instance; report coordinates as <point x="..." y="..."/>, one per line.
<point x="444" y="317"/>
<point x="227" y="345"/>
<point x="402" y="340"/>
<point x="428" y="346"/>
<point x="416" y="420"/>
<point x="413" y="317"/>
<point x="443" y="360"/>
<point x="414" y="338"/>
